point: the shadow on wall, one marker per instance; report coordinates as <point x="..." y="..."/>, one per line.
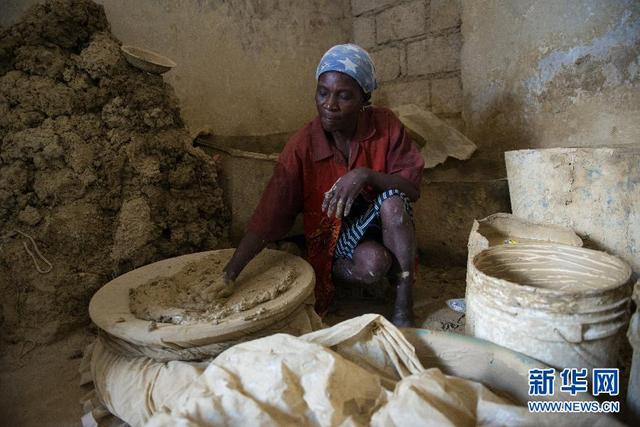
<point x="504" y="126"/>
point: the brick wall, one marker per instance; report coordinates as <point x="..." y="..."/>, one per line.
<point x="415" y="45"/>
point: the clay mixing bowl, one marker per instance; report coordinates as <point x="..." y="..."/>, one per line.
<point x="147" y="60"/>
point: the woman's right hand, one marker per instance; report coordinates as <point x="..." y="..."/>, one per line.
<point x="228" y="274"/>
<point x="339" y="199"/>
<point x="250" y="246"/>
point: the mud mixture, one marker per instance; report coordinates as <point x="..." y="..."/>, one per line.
<point x="96" y="167"/>
<point x="560" y="268"/>
<point x="197" y="292"/>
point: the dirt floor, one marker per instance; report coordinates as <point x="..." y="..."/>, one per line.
<point x="40" y="386"/>
<point x="433" y="287"/>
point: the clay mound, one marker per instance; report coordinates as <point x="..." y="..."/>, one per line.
<point x="95" y="165"/>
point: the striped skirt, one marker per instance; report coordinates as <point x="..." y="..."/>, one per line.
<point x="354" y="228"/>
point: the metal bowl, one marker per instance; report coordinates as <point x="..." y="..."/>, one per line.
<point x="147" y="60"/>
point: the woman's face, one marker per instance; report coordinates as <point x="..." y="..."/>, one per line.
<point x="339" y="99"/>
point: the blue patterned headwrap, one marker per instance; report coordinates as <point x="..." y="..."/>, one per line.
<point x="352" y="60"/>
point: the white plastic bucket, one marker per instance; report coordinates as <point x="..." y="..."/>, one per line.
<point x="595" y="191"/>
<point x="633" y="392"/>
<point x="565" y="306"/>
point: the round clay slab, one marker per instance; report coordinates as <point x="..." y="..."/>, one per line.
<point x="110" y="309"/>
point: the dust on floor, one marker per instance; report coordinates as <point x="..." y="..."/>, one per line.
<point x="432" y="288"/>
<point x="40" y="385"/>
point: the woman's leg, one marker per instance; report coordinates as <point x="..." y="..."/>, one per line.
<point x="370" y="263"/>
<point x="372" y="259"/>
<point x="399" y="237"/>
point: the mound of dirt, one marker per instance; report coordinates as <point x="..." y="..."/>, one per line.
<point x="96" y="167"/>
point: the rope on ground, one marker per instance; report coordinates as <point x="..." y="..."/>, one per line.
<point x="35" y="248"/>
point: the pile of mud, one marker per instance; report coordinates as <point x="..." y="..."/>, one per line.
<point x="197" y="293"/>
<point x="95" y="165"/>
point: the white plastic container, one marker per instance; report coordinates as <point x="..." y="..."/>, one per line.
<point x="505" y="228"/>
<point x="633" y="392"/>
<point x="595" y="191"/>
<point x="565" y="306"/>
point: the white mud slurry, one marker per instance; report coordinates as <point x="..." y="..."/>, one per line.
<point x="197" y="293"/>
<point x="559" y="267"/>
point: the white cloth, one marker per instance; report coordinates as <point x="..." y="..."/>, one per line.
<point x="360" y="372"/>
<point x="286" y="381"/>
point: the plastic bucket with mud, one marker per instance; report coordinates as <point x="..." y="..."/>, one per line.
<point x="504" y="228"/>
<point x="633" y="392"/>
<point x="565" y="306"/>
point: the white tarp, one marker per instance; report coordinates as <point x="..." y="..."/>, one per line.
<point x="359" y="372"/>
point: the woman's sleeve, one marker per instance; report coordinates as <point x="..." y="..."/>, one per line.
<point x="403" y="157"/>
<point x="281" y="201"/>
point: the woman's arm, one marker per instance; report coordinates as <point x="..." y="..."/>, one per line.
<point x="404" y="165"/>
<point x="339" y="199"/>
<point x="384" y="181"/>
<point x="275" y="214"/>
<point x="250" y="246"/>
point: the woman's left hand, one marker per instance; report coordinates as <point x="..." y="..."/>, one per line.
<point x="339" y="199"/>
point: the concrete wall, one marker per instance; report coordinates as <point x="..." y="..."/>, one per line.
<point x="245" y="67"/>
<point x="541" y="73"/>
<point x="416" y="46"/>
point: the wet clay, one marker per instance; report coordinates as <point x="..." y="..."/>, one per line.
<point x="561" y="268"/>
<point x="502" y="228"/>
<point x="197" y="293"/>
<point x="504" y="239"/>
